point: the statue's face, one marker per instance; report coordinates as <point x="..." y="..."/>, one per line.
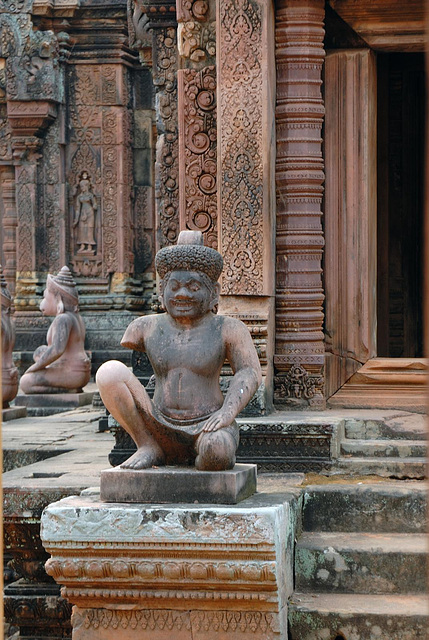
<point x="48" y="306"/>
<point x="186" y="295"/>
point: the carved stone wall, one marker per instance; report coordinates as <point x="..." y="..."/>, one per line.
<point x="299" y="351"/>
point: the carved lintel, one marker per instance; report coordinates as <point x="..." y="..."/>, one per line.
<point x="29" y="119"/>
<point x="159" y="14"/>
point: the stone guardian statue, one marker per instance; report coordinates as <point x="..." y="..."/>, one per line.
<point x="188" y="421"/>
<point x="9" y="371"/>
<point x="62" y="365"/>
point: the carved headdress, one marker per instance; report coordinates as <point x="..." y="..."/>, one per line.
<point x="189" y="254"/>
<point x="64" y="285"/>
<point x="6" y="298"/>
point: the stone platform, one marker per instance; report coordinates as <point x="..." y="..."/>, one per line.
<point x="151" y="572"/>
<point x="178" y="484"/>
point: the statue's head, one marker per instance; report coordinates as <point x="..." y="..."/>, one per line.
<point x="6" y="298"/>
<point x="60" y="294"/>
<point x="189" y="274"/>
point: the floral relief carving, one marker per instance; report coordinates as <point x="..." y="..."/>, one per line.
<point x="198" y="138"/>
<point x="241" y="189"/>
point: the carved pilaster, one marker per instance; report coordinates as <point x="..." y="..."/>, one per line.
<point x="246" y="146"/>
<point x="9" y="222"/>
<point x="299" y="352"/>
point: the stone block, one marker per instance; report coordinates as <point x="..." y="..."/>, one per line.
<point x="178" y="484"/>
<point x="145" y="572"/>
<point x="63" y="400"/>
<point x="13" y="413"/>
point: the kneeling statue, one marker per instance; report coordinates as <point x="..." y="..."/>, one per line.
<point x="189" y="421"/>
<point x="61" y="366"/>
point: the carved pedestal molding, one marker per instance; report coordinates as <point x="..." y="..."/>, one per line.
<point x="145" y="572"/>
<point x="246" y="147"/>
<point x="299" y="351"/>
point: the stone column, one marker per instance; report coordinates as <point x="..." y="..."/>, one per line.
<point x="9" y="223"/>
<point x="246" y="147"/>
<point x="299" y="351"/>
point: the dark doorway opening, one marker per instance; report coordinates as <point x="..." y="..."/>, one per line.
<point x="400" y="155"/>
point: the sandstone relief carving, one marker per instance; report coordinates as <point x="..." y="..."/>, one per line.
<point x="62" y="365"/>
<point x="188" y="421"/>
<point x="85" y="217"/>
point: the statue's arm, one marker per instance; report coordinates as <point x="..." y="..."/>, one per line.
<point x="134" y="336"/>
<point x="59" y="337"/>
<point x="77" y="216"/>
<point x="242" y="356"/>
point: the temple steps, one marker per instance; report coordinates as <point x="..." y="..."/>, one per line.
<point x="360" y="562"/>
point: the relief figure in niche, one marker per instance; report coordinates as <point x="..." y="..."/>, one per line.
<point x="61" y="366"/>
<point x="86" y="211"/>
<point x="188" y="421"/>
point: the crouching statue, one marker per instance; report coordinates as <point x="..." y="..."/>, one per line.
<point x="188" y="421"/>
<point x="61" y="366"/>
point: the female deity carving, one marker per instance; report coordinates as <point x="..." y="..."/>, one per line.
<point x="62" y="365"/>
<point x="86" y="210"/>
<point x="9" y="371"/>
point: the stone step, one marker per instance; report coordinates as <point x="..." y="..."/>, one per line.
<point x="384" y="448"/>
<point x="361" y="617"/>
<point x="402" y="427"/>
<point x="361" y="562"/>
<point x="401" y="468"/>
<point x="391" y="507"/>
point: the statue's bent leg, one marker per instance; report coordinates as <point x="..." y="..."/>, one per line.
<point x="126" y="399"/>
<point x="216" y="449"/>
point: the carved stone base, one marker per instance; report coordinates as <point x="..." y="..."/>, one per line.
<point x="38" y="610"/>
<point x="178" y="485"/>
<point x="60" y="400"/>
<point x="139" y="572"/>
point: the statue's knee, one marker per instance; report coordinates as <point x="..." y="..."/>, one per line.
<point x="110" y="373"/>
<point x="216" y="451"/>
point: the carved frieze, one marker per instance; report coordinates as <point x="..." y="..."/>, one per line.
<point x="240" y="104"/>
<point x="299" y="351"/>
<point x="198" y="152"/>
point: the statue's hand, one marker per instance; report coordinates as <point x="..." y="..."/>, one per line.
<point x="217" y="420"/>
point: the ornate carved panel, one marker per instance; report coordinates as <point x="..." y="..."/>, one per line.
<point x="299" y="354"/>
<point x="198" y="156"/>
<point x="241" y="160"/>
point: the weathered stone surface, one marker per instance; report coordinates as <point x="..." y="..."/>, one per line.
<point x="315" y="617"/>
<point x="196" y="570"/>
<point x="57" y="400"/>
<point x="361" y="562"/>
<point x="13" y="413"/>
<point x="385" y="507"/>
<point x="177" y="484"/>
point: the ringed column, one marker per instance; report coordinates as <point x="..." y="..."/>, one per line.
<point x="299" y="351"/>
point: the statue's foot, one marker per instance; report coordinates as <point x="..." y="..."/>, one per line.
<point x="144" y="458"/>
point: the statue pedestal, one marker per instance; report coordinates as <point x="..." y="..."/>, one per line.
<point x="178" y="484"/>
<point x="188" y="572"/>
<point x="44" y="404"/>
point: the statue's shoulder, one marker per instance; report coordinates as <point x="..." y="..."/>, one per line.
<point x="139" y="330"/>
<point x="232" y="326"/>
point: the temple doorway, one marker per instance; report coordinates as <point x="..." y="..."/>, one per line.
<point x="374" y="89"/>
<point x="400" y="167"/>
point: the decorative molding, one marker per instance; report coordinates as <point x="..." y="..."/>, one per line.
<point x="299" y="351"/>
<point x="197" y="152"/>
